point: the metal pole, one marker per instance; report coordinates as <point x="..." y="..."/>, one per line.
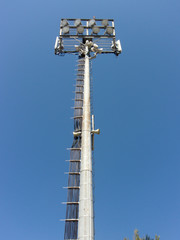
<point x="86" y="224"/>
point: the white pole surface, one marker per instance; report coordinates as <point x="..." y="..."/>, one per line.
<point x="86" y="219"/>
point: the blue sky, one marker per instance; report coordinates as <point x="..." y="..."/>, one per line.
<point x="136" y="103"/>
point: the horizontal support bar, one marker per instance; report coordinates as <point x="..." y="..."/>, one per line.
<point x="87" y="27"/>
<point x="83" y="36"/>
<point x="88" y="19"/>
<point x="72" y="187"/>
<point x="77" y="52"/>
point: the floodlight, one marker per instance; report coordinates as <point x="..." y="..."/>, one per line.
<point x="92" y="22"/>
<point x="109" y="30"/>
<point x="65" y="29"/>
<point x="105" y="22"/>
<point x="77" y="22"/>
<point x="89" y="43"/>
<point x="96" y="49"/>
<point x="64" y="23"/>
<point x="95" y="30"/>
<point x="80" y="29"/>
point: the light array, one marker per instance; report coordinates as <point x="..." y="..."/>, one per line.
<point x="99" y="31"/>
<point x="89" y="27"/>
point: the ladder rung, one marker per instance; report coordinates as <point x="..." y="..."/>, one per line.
<point x="77" y="107"/>
<point x="73" y="148"/>
<point x="73" y="160"/>
<point x="72" y="187"/>
<point x="77" y="99"/>
<point x="70" y="220"/>
<point x="72" y="173"/>
<point x="76" y="117"/>
<point x="70" y="239"/>
<point x="78" y="85"/>
<point x="70" y="203"/>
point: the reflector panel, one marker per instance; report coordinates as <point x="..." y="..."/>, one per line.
<point x="65" y="29"/>
<point x="95" y="29"/>
<point x="109" y="30"/>
<point x="105" y="22"/>
<point x="80" y="29"/>
<point x="64" y="22"/>
<point x="77" y="22"/>
<point x="92" y="22"/>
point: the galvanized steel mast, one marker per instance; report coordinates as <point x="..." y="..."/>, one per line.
<point x="87" y="38"/>
<point x="85" y="225"/>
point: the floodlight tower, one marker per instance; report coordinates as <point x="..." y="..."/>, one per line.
<point x="86" y="38"/>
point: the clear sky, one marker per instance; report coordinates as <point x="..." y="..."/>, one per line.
<point x="136" y="103"/>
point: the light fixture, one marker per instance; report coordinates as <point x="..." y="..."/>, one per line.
<point x="87" y="31"/>
<point x="80" y="29"/>
<point x="116" y="46"/>
<point x="65" y="29"/>
<point x="109" y="30"/>
<point x="95" y="30"/>
<point x="105" y="22"/>
<point x="77" y="22"/>
<point x="96" y="49"/>
<point x="92" y="22"/>
<point x="64" y="23"/>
